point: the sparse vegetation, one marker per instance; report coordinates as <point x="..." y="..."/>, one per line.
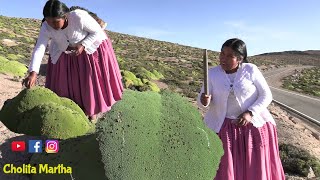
<point x="169" y="62"/>
<point x="298" y="161"/>
<point x="287" y="57"/>
<point x="23" y="31"/>
<point x="305" y="81"/>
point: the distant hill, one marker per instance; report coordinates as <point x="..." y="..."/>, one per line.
<point x="310" y="57"/>
<point x="181" y="65"/>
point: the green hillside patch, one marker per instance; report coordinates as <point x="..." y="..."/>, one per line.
<point x="12" y="67"/>
<point x="14" y="57"/>
<point x="306" y="81"/>
<point x="40" y="112"/>
<point x="146" y="135"/>
<point x="143" y="73"/>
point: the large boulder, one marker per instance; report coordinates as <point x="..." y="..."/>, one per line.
<point x="40" y="112"/>
<point x="146" y="135"/>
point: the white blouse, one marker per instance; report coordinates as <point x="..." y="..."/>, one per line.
<point x="250" y="89"/>
<point x="81" y="29"/>
<point x="233" y="107"/>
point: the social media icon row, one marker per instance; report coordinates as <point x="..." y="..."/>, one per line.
<point x="35" y="146"/>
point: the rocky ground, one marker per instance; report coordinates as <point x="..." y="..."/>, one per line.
<point x="290" y="130"/>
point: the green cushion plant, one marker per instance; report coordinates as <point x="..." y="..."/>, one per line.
<point x="146" y="135"/>
<point x="40" y="112"/>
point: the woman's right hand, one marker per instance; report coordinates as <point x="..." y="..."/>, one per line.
<point x="205" y="99"/>
<point x="30" y="80"/>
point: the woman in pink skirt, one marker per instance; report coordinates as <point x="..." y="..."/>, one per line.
<point x="237" y="111"/>
<point x="82" y="65"/>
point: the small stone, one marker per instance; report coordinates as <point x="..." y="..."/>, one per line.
<point x="316" y="135"/>
<point x="311" y="173"/>
<point x="307" y="131"/>
<point x="299" y="126"/>
<point x="294" y="121"/>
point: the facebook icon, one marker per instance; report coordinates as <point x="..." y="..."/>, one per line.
<point x="35" y="146"/>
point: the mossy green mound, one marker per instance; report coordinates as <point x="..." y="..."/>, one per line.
<point x="157" y="74"/>
<point x="39" y="111"/>
<point x="72" y="105"/>
<point x="153" y="86"/>
<point x="54" y="121"/>
<point x="146" y="135"/>
<point x="25" y="101"/>
<point x="157" y="136"/>
<point x="131" y="81"/>
<point x="143" y="73"/>
<point x="12" y="67"/>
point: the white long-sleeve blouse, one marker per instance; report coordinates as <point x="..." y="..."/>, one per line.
<point x="250" y="89"/>
<point x="81" y="29"/>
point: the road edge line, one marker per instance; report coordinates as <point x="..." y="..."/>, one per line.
<point x="297" y="112"/>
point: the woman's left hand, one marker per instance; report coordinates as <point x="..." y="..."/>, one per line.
<point x="245" y="118"/>
<point x="79" y="48"/>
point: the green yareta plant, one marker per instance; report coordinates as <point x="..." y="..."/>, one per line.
<point x="146" y="135"/>
<point x="40" y="112"/>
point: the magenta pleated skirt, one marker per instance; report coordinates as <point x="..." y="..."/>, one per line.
<point x="93" y="81"/>
<point x="250" y="153"/>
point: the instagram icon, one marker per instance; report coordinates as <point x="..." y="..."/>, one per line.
<point x="52" y="146"/>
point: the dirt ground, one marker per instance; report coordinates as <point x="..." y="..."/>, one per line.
<point x="290" y="129"/>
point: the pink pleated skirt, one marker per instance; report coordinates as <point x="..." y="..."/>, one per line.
<point x="250" y="153"/>
<point x="93" y="81"/>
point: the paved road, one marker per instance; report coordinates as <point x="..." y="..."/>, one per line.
<point x="307" y="105"/>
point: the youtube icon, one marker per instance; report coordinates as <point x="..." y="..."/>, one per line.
<point x="18" y="146"/>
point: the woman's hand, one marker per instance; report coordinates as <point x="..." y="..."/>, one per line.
<point x="30" y="80"/>
<point x="79" y="48"/>
<point x="205" y="99"/>
<point x="75" y="51"/>
<point x="245" y="118"/>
